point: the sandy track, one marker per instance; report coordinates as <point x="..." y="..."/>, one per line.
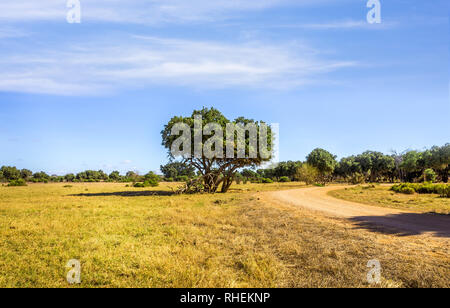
<point x="365" y="216"/>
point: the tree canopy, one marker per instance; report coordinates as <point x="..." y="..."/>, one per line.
<point x="216" y="146"/>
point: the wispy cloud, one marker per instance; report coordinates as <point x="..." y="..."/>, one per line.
<point x="137" y="11"/>
<point x="98" y="68"/>
<point x="10" y="32"/>
<point x="346" y="24"/>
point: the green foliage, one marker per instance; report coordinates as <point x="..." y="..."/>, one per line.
<point x="10" y="173"/>
<point x="266" y="181"/>
<point x="115" y="176"/>
<point x="26" y="174"/>
<point x="357" y="178"/>
<point x="41" y="177"/>
<point x="182" y="178"/>
<point x="218" y="169"/>
<point x="176" y="169"/>
<point x="92" y="176"/>
<point x="426" y="188"/>
<point x="324" y="162"/>
<point x="284" y="179"/>
<point x="308" y="174"/>
<point x="18" y="182"/>
<point x="429" y="175"/>
<point x="151" y="179"/>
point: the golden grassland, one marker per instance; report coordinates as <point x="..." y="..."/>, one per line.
<point x="129" y="237"/>
<point x="381" y="195"/>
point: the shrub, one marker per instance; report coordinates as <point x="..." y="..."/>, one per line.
<point x="408" y="190"/>
<point x="148" y="183"/>
<point x="284" y="179"/>
<point x="426" y="188"/>
<point x="308" y="174"/>
<point x="266" y="181"/>
<point x="19" y="182"/>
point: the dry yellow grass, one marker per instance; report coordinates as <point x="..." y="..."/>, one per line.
<point x="382" y="196"/>
<point x="128" y="237"/>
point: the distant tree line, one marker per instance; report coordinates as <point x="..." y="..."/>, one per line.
<point x="321" y="166"/>
<point x="8" y="174"/>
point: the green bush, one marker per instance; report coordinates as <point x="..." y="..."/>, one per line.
<point x="426" y="188"/>
<point x="284" y="179"/>
<point x="19" y="182"/>
<point x="266" y="181"/>
<point x="408" y="190"/>
<point x="148" y="183"/>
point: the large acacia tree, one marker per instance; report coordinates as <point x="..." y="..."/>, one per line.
<point x="219" y="169"/>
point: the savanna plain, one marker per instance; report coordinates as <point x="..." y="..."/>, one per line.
<point x="149" y="237"/>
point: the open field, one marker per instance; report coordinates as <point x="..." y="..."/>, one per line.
<point x="382" y="196"/>
<point x="128" y="237"/>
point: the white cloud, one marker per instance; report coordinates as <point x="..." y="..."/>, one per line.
<point x="347" y="24"/>
<point x="136" y="11"/>
<point x="98" y="68"/>
<point x="10" y="32"/>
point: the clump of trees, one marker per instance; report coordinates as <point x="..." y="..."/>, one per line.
<point x="431" y="165"/>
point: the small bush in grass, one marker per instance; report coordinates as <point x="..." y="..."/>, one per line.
<point x="19" y="182"/>
<point x="266" y="181"/>
<point x="408" y="190"/>
<point x="148" y="183"/>
<point x="284" y="179"/>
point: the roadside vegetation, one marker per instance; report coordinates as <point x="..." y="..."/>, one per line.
<point x="423" y="188"/>
<point x="384" y="196"/>
<point x="148" y="237"/>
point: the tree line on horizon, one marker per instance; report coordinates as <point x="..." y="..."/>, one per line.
<point x="8" y="173"/>
<point x="320" y="166"/>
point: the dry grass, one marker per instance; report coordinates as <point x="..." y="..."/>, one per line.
<point x="126" y="237"/>
<point x="382" y="196"/>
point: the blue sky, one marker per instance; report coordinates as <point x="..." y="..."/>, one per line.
<point x="96" y="95"/>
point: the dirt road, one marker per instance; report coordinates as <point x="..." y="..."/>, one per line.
<point x="367" y="217"/>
